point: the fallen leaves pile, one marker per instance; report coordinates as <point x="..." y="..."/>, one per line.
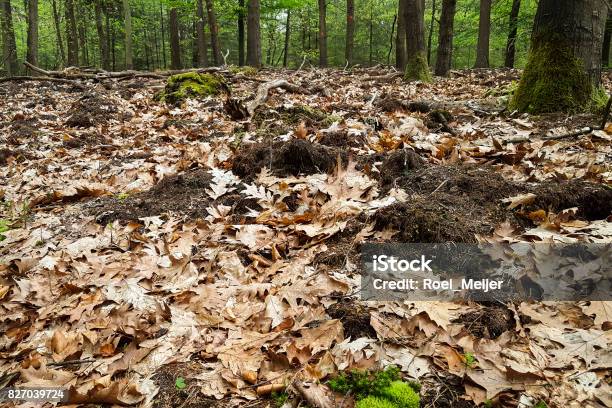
<point x="142" y="236"/>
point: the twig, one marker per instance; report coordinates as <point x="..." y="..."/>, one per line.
<point x="71" y="362"/>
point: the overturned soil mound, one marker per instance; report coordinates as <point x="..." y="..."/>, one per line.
<point x="285" y="159"/>
<point x="594" y="201"/>
<point x="489" y="322"/>
<point x="355" y="318"/>
<point x="90" y="110"/>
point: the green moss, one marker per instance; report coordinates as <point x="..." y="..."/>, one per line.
<point x="540" y="404"/>
<point x="417" y="69"/>
<point x="375" y="402"/>
<point x="554" y="81"/>
<point x="599" y="100"/>
<point x="402" y="395"/>
<point x="363" y="383"/>
<point x="190" y="85"/>
<point x="4" y="226"/>
<point x="246" y="71"/>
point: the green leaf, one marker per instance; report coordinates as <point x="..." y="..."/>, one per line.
<point x="180" y="383"/>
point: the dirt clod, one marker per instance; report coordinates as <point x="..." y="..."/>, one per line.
<point x="355" y="318"/>
<point x="594" y="201"/>
<point x="171" y="396"/>
<point x="89" y="110"/>
<point x="398" y="165"/>
<point x="489" y="322"/>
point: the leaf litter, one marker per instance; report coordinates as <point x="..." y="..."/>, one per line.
<point x="148" y="243"/>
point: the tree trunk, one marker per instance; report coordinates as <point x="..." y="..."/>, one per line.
<point x="175" y="39"/>
<point x="371" y="36"/>
<point x="201" y="36"/>
<point x="32" y="56"/>
<point x="214" y="32"/>
<point x="253" y="34"/>
<point x="129" y="56"/>
<point x="82" y="28"/>
<point x="416" y="55"/>
<point x="322" y="33"/>
<point x="484" y="33"/>
<point x="163" y="32"/>
<point x="287" y="38"/>
<point x="103" y="45"/>
<point x="431" y="30"/>
<point x="240" y="33"/>
<point x="445" y="40"/>
<point x="564" y="64"/>
<point x="513" y="26"/>
<point x="350" y="31"/>
<point x="400" y="40"/>
<point x="605" y="55"/>
<point x="58" y="32"/>
<point x="71" y="35"/>
<point x="8" y="35"/>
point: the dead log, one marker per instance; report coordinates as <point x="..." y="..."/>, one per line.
<point x="74" y="83"/>
<point x="262" y="94"/>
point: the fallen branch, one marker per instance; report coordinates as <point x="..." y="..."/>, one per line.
<point x="43" y="79"/>
<point x="264" y="90"/>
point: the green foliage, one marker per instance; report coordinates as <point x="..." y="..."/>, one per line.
<point x="402" y="395"/>
<point x="599" y="99"/>
<point x="417" y="69"/>
<point x="362" y="383"/>
<point x="4" y="226"/>
<point x="541" y="404"/>
<point x="554" y="81"/>
<point x="180" y="383"/>
<point x="190" y="85"/>
<point x="280" y="398"/>
<point x="470" y="360"/>
<point x="375" y="402"/>
<point x="246" y="71"/>
<point x="122" y="196"/>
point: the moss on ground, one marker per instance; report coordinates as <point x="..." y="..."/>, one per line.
<point x="190" y="85"/>
<point x="246" y="71"/>
<point x="554" y="81"/>
<point x="417" y="69"/>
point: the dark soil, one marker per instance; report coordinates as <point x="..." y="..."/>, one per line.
<point x="341" y="139"/>
<point x="446" y="392"/>
<point x="169" y="396"/>
<point x="284" y="159"/>
<point x="489" y="322"/>
<point x="397" y="165"/>
<point x="90" y="110"/>
<point x="594" y="201"/>
<point x="86" y="139"/>
<point x="17" y="155"/>
<point x="183" y="194"/>
<point x="355" y="318"/>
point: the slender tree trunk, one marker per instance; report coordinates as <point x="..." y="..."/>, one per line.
<point x="214" y="32"/>
<point x="58" y="32"/>
<point x="102" y="41"/>
<point x="241" y="33"/>
<point x="416" y="55"/>
<point x="163" y="32"/>
<point x="371" y="37"/>
<point x="32" y="56"/>
<point x="392" y="40"/>
<point x="83" y="38"/>
<point x="287" y="38"/>
<point x="605" y="55"/>
<point x="201" y="36"/>
<point x="322" y="33"/>
<point x="129" y="57"/>
<point x="400" y="39"/>
<point x="253" y="34"/>
<point x="445" y="41"/>
<point x="564" y="64"/>
<point x="513" y="29"/>
<point x="431" y="30"/>
<point x="350" y="31"/>
<point x="71" y="35"/>
<point x="175" y="39"/>
<point x="8" y="36"/>
<point x="484" y="34"/>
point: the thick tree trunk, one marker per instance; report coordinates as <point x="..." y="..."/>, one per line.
<point x="445" y="42"/>
<point x="416" y="55"/>
<point x="322" y="33"/>
<point x="605" y="54"/>
<point x="241" y="33"/>
<point x="129" y="55"/>
<point x="102" y="41"/>
<point x="201" y="36"/>
<point x="58" y="32"/>
<point x="513" y="29"/>
<point x="350" y="31"/>
<point x="71" y="34"/>
<point x="431" y="30"/>
<point x="175" y="39"/>
<point x="564" y="64"/>
<point x="400" y="39"/>
<point x="484" y="34"/>
<point x="253" y="34"/>
<point x="8" y="39"/>
<point x="287" y="38"/>
<point x="214" y="32"/>
<point x="32" y="55"/>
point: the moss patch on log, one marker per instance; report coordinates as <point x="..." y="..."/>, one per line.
<point x="554" y="81"/>
<point x="191" y="85"/>
<point x="417" y="69"/>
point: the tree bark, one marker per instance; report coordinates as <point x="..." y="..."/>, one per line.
<point x="32" y="53"/>
<point x="445" y="41"/>
<point x="214" y="32"/>
<point x="253" y="34"/>
<point x="8" y="36"/>
<point x="484" y="34"/>
<point x="82" y="28"/>
<point x="58" y="32"/>
<point x="287" y="38"/>
<point x="201" y="35"/>
<point x="129" y="56"/>
<point x="175" y="39"/>
<point x="102" y="41"/>
<point x="416" y="55"/>
<point x="431" y="30"/>
<point x="322" y="33"/>
<point x="605" y="55"/>
<point x="400" y="39"/>
<point x="513" y="29"/>
<point x="71" y="35"/>
<point x="240" y="33"/>
<point x="564" y="64"/>
<point x="350" y="31"/>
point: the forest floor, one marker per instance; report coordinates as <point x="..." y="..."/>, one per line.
<point x="143" y="242"/>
